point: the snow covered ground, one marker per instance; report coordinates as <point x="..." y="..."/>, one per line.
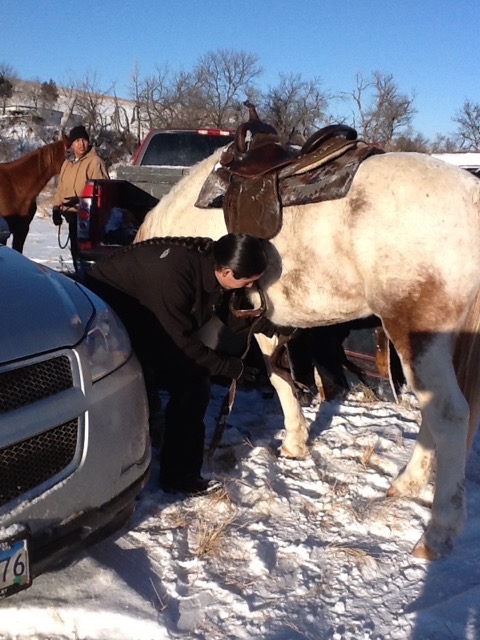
<point x="286" y="550"/>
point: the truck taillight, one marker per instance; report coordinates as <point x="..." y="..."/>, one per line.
<point x="213" y="132"/>
<point x="83" y="220"/>
<point x="88" y="190"/>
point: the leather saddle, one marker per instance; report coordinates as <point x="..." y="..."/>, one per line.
<point x="258" y="174"/>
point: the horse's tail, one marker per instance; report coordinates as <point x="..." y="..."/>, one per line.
<point x="467" y="364"/>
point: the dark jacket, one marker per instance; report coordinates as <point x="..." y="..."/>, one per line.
<point x="178" y="285"/>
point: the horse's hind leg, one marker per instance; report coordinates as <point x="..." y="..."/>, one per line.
<point x="429" y="370"/>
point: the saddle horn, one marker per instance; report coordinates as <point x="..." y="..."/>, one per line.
<point x="251" y="127"/>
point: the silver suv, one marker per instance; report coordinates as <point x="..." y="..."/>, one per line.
<point x="74" y="441"/>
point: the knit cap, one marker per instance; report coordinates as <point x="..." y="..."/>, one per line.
<point x="78" y="132"/>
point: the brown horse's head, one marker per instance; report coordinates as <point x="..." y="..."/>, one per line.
<point x="62" y="136"/>
<point x="66" y="140"/>
<point x="52" y="155"/>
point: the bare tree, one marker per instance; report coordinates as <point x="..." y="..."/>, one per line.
<point x="91" y="103"/>
<point x="411" y="141"/>
<point x="71" y="99"/>
<point x="42" y="94"/>
<point x="119" y="120"/>
<point x="153" y="90"/>
<point x="221" y="80"/>
<point x="213" y="93"/>
<point x="444" y="144"/>
<point x="48" y="94"/>
<point x="134" y="88"/>
<point x="210" y="95"/>
<point x="7" y="84"/>
<point x="295" y="106"/>
<point x="169" y="99"/>
<point x="31" y="93"/>
<point x="381" y="111"/>
<point x="186" y="104"/>
<point x="468" y="120"/>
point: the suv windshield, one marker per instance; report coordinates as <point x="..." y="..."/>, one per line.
<point x="181" y="148"/>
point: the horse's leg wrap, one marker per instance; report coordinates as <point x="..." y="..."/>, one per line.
<point x="280" y="366"/>
<point x="296" y="429"/>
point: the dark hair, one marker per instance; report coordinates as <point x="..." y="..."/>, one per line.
<point x="242" y="253"/>
<point x="197" y="243"/>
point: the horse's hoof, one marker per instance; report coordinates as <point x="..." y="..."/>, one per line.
<point x="403" y="490"/>
<point x="298" y="454"/>
<point x="436" y="547"/>
<point x="392" y="492"/>
<point x="423" y="552"/>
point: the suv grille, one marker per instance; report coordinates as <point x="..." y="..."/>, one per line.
<point x="24" y="465"/>
<point x="21" y="387"/>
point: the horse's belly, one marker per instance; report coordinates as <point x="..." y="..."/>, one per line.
<point x="311" y="308"/>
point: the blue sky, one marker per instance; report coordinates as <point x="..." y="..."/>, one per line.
<point x="429" y="46"/>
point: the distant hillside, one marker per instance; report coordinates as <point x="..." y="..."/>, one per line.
<point x="26" y="124"/>
<point x="25" y="101"/>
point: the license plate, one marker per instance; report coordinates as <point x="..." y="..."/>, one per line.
<point x="14" y="564"/>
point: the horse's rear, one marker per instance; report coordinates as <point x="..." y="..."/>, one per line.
<point x="404" y="244"/>
<point x="422" y="278"/>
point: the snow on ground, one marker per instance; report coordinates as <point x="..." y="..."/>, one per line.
<point x="286" y="550"/>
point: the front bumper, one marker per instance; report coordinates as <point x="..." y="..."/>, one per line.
<point x="109" y="455"/>
<point x="51" y="547"/>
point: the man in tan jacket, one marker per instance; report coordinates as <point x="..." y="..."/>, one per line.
<point x="84" y="165"/>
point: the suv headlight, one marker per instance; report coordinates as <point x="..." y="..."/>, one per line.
<point x="107" y="341"/>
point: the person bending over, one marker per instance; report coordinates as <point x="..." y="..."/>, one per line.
<point x="165" y="290"/>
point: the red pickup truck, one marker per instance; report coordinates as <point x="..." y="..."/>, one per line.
<point x="110" y="211"/>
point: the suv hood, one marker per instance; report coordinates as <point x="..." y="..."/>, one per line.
<point x="40" y="310"/>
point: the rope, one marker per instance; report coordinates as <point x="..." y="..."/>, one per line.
<point x="227" y="404"/>
<point x="62" y="246"/>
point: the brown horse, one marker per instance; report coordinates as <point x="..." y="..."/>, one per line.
<point x="22" y="180"/>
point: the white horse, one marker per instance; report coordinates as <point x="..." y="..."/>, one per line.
<point x="404" y="245"/>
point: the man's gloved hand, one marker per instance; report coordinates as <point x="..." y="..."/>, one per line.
<point x="249" y="374"/>
<point x="56" y="216"/>
<point x="71" y="202"/>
